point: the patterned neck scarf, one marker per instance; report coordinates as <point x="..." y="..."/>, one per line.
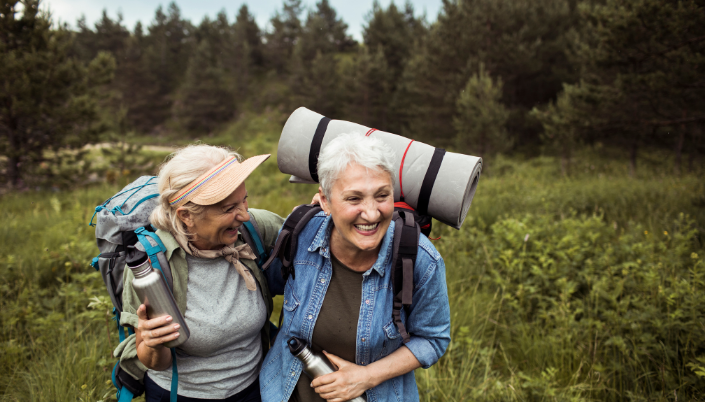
<point x="231" y="253"/>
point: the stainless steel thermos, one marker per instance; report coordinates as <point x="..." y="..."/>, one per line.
<point x="153" y="292"/>
<point x="314" y="365"/>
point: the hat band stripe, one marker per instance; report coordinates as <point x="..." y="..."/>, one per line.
<point x="196" y="186"/>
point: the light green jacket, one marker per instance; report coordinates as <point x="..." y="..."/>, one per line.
<point x="268" y="224"/>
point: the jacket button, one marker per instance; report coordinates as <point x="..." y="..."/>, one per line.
<point x="363" y="339"/>
<point x="310" y="317"/>
<point x="323" y="280"/>
<point x="367" y="301"/>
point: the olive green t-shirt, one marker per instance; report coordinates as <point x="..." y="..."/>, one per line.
<point x="336" y="326"/>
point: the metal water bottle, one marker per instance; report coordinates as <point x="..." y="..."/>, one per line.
<point x="314" y="365"/>
<point x="153" y="292"/>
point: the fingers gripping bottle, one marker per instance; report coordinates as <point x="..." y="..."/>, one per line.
<point x="314" y="365"/>
<point x="154" y="293"/>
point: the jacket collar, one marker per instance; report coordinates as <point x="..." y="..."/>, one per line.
<point x="321" y="242"/>
<point x="169" y="242"/>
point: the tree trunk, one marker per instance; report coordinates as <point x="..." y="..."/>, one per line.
<point x="679" y="147"/>
<point x="696" y="133"/>
<point x="13" y="154"/>
<point x="13" y="171"/>
<point x="565" y="159"/>
<point x="679" y="151"/>
<point x="632" y="156"/>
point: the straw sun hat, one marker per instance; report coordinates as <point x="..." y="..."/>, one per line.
<point x="218" y="183"/>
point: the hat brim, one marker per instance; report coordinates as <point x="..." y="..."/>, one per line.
<point x="227" y="181"/>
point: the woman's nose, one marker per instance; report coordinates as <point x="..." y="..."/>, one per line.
<point x="370" y="211"/>
<point x="242" y="215"/>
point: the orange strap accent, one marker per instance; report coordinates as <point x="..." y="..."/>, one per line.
<point x="401" y="167"/>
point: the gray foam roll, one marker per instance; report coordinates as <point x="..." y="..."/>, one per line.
<point x="452" y="191"/>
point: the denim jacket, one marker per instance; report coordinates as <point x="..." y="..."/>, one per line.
<point x="428" y="319"/>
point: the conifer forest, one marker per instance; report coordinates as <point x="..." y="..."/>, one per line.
<point x="577" y="274"/>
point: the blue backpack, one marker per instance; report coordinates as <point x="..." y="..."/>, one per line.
<point x="122" y="221"/>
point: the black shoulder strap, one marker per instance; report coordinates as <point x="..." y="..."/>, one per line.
<point x="406" y="243"/>
<point x="288" y="239"/>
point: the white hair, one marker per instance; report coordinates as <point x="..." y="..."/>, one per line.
<point x="368" y="152"/>
<point x="180" y="169"/>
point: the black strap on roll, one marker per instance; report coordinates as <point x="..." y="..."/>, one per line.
<point x="316" y="147"/>
<point x="428" y="181"/>
<point x="406" y="243"/>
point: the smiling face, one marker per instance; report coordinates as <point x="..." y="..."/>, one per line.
<point x="361" y="204"/>
<point x="218" y="225"/>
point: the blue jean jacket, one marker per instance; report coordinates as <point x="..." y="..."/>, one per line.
<point x="428" y="320"/>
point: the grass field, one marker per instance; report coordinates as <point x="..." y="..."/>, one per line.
<point x="585" y="288"/>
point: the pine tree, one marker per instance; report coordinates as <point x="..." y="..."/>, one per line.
<point x="280" y="40"/>
<point x="205" y="99"/>
<point x="247" y="51"/>
<point x="367" y="83"/>
<point x="48" y="97"/>
<point x="394" y="32"/>
<point x="168" y="47"/>
<point x="481" y="118"/>
<point x="323" y="32"/>
<point x="316" y="85"/>
<point x="643" y="63"/>
<point x="520" y="41"/>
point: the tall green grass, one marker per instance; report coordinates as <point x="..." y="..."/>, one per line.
<point x="584" y="288"/>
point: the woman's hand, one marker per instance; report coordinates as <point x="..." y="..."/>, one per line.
<point x="351" y="380"/>
<point x="150" y="338"/>
<point x="348" y="382"/>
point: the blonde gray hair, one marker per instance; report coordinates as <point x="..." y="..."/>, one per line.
<point x="368" y="152"/>
<point x="179" y="170"/>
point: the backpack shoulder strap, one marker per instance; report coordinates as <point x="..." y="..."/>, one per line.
<point x="252" y="237"/>
<point x="288" y="239"/>
<point x="156" y="251"/>
<point x="406" y="243"/>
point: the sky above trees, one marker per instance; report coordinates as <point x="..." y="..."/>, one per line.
<point x="352" y="12"/>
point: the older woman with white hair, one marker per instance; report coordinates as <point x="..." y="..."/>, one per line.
<point x="340" y="300"/>
<point x="219" y="289"/>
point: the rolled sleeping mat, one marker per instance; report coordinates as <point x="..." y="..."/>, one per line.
<point x="434" y="182"/>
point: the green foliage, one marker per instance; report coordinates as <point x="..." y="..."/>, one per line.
<point x="639" y="78"/>
<point x="49" y="98"/>
<point x="587" y="307"/>
<point x="481" y="119"/>
<point x="367" y="82"/>
<point x="206" y="100"/>
<point x="575" y="309"/>
<point x="523" y="43"/>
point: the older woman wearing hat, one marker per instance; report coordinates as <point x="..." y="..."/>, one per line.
<point x="340" y="300"/>
<point x="220" y="291"/>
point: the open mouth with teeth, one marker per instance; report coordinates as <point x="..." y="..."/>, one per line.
<point x="367" y="228"/>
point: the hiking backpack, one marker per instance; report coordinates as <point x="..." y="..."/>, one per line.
<point x="122" y="221"/>
<point x="408" y="225"/>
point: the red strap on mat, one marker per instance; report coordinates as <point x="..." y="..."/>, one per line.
<point x="401" y="167"/>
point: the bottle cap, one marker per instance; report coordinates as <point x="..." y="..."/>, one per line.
<point x="296" y="345"/>
<point x="135" y="257"/>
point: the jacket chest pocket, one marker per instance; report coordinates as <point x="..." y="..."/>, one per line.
<point x="392" y="339"/>
<point x="290" y="305"/>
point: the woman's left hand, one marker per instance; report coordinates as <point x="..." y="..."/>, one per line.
<point x="348" y="382"/>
